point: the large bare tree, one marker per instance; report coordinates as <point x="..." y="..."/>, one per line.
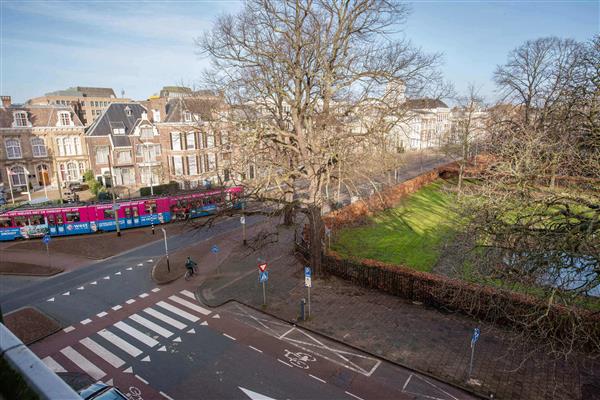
<point x="312" y="86"/>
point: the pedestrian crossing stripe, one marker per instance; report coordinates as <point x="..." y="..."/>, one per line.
<point x="151" y="325"/>
<point x="120" y="343"/>
<point x="189" y="305"/>
<point x="103" y="353"/>
<point x="177" y="311"/>
<point x="53" y="365"/>
<point x="165" y="318"/>
<point x="86" y="365"/>
<point x="140" y="336"/>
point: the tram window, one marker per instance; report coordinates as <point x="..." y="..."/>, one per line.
<point x="127" y="212"/>
<point x="51" y="219"/>
<point x="150" y="207"/>
<point x="37" y="219"/>
<point x="109" y="213"/>
<point x="73" y="216"/>
<point x="59" y="219"/>
<point x="4" y="222"/>
<point x="20" y="221"/>
<point x="136" y="212"/>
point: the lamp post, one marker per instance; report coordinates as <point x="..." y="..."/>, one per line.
<point x="166" y="249"/>
<point x="115" y="210"/>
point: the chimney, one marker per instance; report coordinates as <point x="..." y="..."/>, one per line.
<point x="5" y="101"/>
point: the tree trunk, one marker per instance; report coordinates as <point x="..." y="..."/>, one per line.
<point x="288" y="211"/>
<point x="461" y="171"/>
<point x="316" y="238"/>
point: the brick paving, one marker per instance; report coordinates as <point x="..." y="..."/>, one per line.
<point x="412" y="335"/>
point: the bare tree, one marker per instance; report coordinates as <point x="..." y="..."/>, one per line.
<point x="308" y="83"/>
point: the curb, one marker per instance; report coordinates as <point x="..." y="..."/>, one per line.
<point x="333" y="339"/>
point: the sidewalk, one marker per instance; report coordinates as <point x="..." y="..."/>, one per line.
<point x="409" y="334"/>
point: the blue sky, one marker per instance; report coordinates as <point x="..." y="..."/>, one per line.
<point x="140" y="46"/>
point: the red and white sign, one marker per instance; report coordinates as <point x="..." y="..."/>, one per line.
<point x="262" y="267"/>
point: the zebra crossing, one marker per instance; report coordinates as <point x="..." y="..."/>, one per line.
<point x="111" y="351"/>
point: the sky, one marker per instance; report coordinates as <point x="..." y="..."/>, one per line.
<point x="139" y="47"/>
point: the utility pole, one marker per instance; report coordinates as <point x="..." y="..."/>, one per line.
<point x="114" y="201"/>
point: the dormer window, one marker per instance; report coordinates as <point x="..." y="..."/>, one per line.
<point x="128" y="111"/>
<point x="156" y="115"/>
<point x="118" y="128"/>
<point x="187" y="116"/>
<point x="21" y="118"/>
<point x="64" y="118"/>
<point x="146" y="132"/>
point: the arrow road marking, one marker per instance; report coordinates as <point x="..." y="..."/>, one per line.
<point x="254" y="395"/>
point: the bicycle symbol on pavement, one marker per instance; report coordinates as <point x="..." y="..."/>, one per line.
<point x="299" y="359"/>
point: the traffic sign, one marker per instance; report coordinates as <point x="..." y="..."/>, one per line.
<point x="242" y="220"/>
<point x="307" y="272"/>
<point x="475" y="337"/>
<point x="262" y="267"/>
<point x="46" y="239"/>
<point x="214" y="248"/>
<point x="263" y="276"/>
<point x="307" y="281"/>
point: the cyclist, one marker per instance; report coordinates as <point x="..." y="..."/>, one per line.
<point x="190" y="265"/>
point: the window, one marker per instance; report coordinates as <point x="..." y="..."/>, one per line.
<point x="210" y="140"/>
<point x="72" y="171"/>
<point x="81" y="169"/>
<point x="109" y="213"/>
<point x="201" y="140"/>
<point x="5" y="222"/>
<point x="146" y="132"/>
<point x="251" y="171"/>
<point x="38" y="147"/>
<point x="13" y="148"/>
<point x="177" y="165"/>
<point x="128" y="111"/>
<point x="20" y="118"/>
<point x="156" y="115"/>
<point x="73" y="216"/>
<point x="212" y="162"/>
<point x="102" y="155"/>
<point x="68" y="148"/>
<point x="226" y="156"/>
<point x="224" y="138"/>
<point x="187" y="116"/>
<point x="175" y="141"/>
<point x="190" y="140"/>
<point x="77" y="145"/>
<point x="64" y="118"/>
<point x="150" y="207"/>
<point x="192" y="165"/>
<point x="17" y="176"/>
<point x="123" y="157"/>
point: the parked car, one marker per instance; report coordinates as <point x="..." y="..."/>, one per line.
<point x="101" y="391"/>
<point x="76" y="186"/>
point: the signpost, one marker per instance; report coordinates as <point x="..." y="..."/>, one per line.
<point x="243" y="222"/>
<point x="474" y="338"/>
<point x="46" y="240"/>
<point x="328" y="234"/>
<point x="214" y="249"/>
<point x="308" y="284"/>
<point x="263" y="277"/>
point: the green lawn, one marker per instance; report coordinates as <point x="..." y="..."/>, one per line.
<point x="409" y="234"/>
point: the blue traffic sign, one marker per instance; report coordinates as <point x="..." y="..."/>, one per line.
<point x="263" y="276"/>
<point x="214" y="248"/>
<point x="307" y="272"/>
<point x="476" y="334"/>
<point x="46" y="239"/>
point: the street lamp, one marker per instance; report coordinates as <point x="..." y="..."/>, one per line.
<point x="166" y="249"/>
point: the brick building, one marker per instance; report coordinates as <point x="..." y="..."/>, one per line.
<point x="41" y="144"/>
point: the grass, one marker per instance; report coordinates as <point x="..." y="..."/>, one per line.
<point x="410" y="234"/>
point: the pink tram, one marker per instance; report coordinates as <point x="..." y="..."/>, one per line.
<point x="99" y="217"/>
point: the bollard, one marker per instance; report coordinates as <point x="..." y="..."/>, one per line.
<point x="302" y="314"/>
<point x="153" y="227"/>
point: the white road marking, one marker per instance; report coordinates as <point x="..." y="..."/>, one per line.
<point x="254" y="395"/>
<point x="317" y="378"/>
<point x="190" y="305"/>
<point x="142" y="379"/>
<point x="80" y="288"/>
<point x="53" y="365"/>
<point x="177" y="339"/>
<point x="141" y="336"/>
<point x="191" y="331"/>
<point x="188" y="294"/>
<point x="353" y="395"/>
<point x="128" y="370"/>
<point x="50" y="299"/>
<point x="156" y="289"/>
<point x="120" y="343"/>
<point x="406" y="383"/>
<point x="86" y="321"/>
<point x="140" y="265"/>
<point x="102" y="314"/>
<point x="102" y="353"/>
<point x="143" y="295"/>
<point x="151" y="325"/>
<point x="165" y="318"/>
<point x="283" y="362"/>
<point x="165" y="396"/>
<point x="146" y="359"/>
<point x="130" y="301"/>
<point x="150" y="260"/>
<point x="230" y="337"/>
<point x="291" y="329"/>
<point x="118" y="273"/>
<point x="426" y="381"/>
<point x="216" y="316"/>
<point x="204" y="323"/>
<point x="117" y="307"/>
<point x="66" y="293"/>
<point x="106" y="277"/>
<point x="164" y="348"/>
<point x="94" y="283"/>
<point x="129" y="268"/>
<point x="68" y="329"/>
<point x="83" y="363"/>
<point x="255" y="349"/>
<point x="177" y="311"/>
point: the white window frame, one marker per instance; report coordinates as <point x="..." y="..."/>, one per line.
<point x="177" y="165"/>
<point x="102" y="151"/>
<point x="144" y="129"/>
<point x="178" y="141"/>
<point x="156" y="115"/>
<point x="38" y="147"/>
<point x="187" y="116"/>
<point x="191" y="135"/>
<point x="64" y="119"/>
<point x="20" y="119"/>
<point x="16" y="177"/>
<point x="77" y="145"/>
<point x="192" y="165"/>
<point x="13" y="148"/>
<point x="210" y="140"/>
